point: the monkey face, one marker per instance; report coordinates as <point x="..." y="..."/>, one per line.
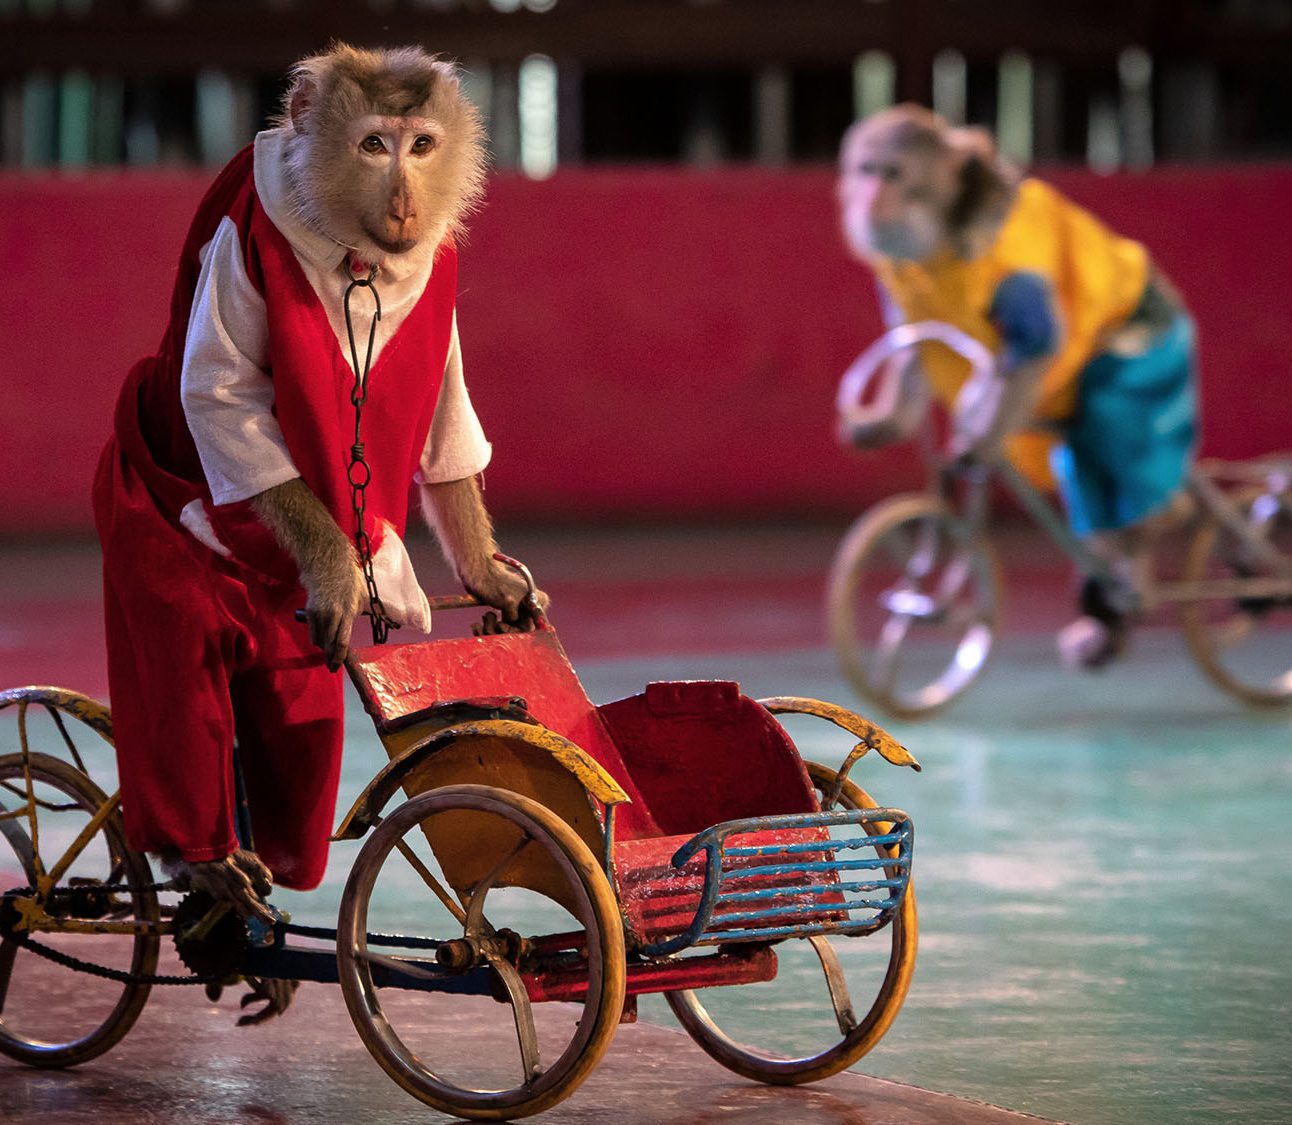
<point x="395" y="165"/>
<point x="894" y="198"/>
<point x="385" y="155"/>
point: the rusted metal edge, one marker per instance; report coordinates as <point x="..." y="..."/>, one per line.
<point x="91" y="712"/>
<point x="873" y="735"/>
<point x="589" y="773"/>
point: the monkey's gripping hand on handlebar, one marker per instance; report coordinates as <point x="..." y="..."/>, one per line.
<point x="509" y="588"/>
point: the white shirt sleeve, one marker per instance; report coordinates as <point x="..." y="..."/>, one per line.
<point x="226" y="394"/>
<point x="456" y="447"/>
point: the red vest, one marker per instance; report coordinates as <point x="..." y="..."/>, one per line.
<point x="312" y="383"/>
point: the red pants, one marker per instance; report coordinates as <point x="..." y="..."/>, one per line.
<point x="200" y="652"/>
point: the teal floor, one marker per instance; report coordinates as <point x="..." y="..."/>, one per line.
<point x="1104" y="868"/>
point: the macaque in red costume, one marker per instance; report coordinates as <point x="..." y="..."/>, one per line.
<point x="1094" y="345"/>
<point x="222" y="499"/>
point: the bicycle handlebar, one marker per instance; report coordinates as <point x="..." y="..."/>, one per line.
<point x="979" y="393"/>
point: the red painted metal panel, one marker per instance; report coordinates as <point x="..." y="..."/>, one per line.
<point x="395" y="680"/>
<point x="737" y="967"/>
<point x="702" y="753"/>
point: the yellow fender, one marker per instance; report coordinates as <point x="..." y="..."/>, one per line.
<point x="584" y="768"/>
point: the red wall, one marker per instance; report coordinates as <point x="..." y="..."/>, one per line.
<point x="646" y="342"/>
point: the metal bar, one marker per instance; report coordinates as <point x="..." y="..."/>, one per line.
<point x="803" y="908"/>
<point x="836" y="982"/>
<point x="608" y="843"/>
<point x="1222" y="508"/>
<point x="1222" y="589"/>
<point x="851" y="928"/>
<point x="824" y="865"/>
<point x="78" y="845"/>
<point x="294" y="963"/>
<point x="57" y="716"/>
<point x="431" y="881"/>
<point x="522" y="1012"/>
<point x="822" y="889"/>
<point x="746" y="966"/>
<point x="475" y="918"/>
<point x="1053" y="525"/>
<point x="824" y="845"/>
<point x="38" y="866"/>
<point x="144" y="927"/>
<point x="328" y="933"/>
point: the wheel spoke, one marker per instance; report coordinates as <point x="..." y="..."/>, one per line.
<point x="475" y="918"/>
<point x="8" y="951"/>
<point x="925" y="555"/>
<point x="891" y="636"/>
<point x="522" y="1012"/>
<point x="431" y="881"/>
<point x="836" y="982"/>
<point x="955" y="574"/>
<point x="397" y="964"/>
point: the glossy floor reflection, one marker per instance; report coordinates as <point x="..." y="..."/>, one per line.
<point x="1103" y="863"/>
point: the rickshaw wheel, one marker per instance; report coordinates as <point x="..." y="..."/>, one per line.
<point x="1236" y="641"/>
<point x="36" y="1012"/>
<point x="912" y="603"/>
<point x="902" y="935"/>
<point x="528" y="833"/>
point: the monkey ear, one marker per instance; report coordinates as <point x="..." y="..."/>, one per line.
<point x="985" y="190"/>
<point x="972" y="140"/>
<point x="300" y="101"/>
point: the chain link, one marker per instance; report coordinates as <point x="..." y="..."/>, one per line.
<point x="358" y="472"/>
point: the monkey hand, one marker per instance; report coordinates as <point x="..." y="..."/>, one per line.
<point x="335" y="593"/>
<point x="970" y="449"/>
<point x="328" y="563"/>
<point x="276" y="994"/>
<point x="500" y="586"/>
<point x="240" y="879"/>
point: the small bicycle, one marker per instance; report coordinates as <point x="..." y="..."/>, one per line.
<point x="914" y="593"/>
<point x="549" y="861"/>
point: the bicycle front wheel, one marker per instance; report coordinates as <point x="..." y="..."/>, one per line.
<point x="913" y="602"/>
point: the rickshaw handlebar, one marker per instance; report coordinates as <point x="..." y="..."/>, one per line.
<point x="470" y="601"/>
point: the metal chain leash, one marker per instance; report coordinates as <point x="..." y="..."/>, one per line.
<point x="358" y="471"/>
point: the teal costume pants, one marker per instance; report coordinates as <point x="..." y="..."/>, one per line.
<point x="1128" y="448"/>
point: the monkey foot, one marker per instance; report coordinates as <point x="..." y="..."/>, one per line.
<point x="240" y="879"/>
<point x="276" y="995"/>
<point x="1089" y="643"/>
